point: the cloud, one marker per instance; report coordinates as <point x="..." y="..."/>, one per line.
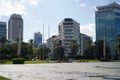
<point x="94" y="7"/>
<point x="32" y="2"/>
<point x="76" y="0"/>
<point x="82" y="4"/>
<point x="8" y="7"/>
<point x="93" y="14"/>
<point x="88" y="29"/>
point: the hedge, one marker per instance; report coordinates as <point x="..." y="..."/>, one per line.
<point x="18" y="61"/>
<point x="104" y="59"/>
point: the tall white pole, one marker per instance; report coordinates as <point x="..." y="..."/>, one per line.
<point x="48" y="30"/>
<point x="19" y="43"/>
<point x="104" y="48"/>
<point x="43" y="41"/>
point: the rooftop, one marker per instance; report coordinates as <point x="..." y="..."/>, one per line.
<point x="112" y="5"/>
<point x="15" y="16"/>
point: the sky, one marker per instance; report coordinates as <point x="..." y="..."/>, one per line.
<point x="35" y="13"/>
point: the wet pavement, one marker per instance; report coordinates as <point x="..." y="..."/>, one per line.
<point x="63" y="71"/>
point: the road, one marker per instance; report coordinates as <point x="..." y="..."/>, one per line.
<point x="63" y="71"/>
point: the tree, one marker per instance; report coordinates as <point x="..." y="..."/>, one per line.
<point x="59" y="52"/>
<point x="31" y="43"/>
<point x="90" y="52"/>
<point x="2" y="43"/>
<point x="26" y="51"/>
<point x="118" y="46"/>
<point x="43" y="52"/>
<point x="36" y="52"/>
<point x="9" y="51"/>
<point x="90" y="42"/>
<point x="31" y="47"/>
<point x="99" y="49"/>
<point x="52" y="56"/>
<point x="74" y="48"/>
<point x="3" y="40"/>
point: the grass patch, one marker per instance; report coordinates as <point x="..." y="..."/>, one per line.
<point x="85" y="60"/>
<point x="3" y="78"/>
<point x="30" y="62"/>
<point x="37" y="62"/>
<point x="81" y="60"/>
<point x="8" y="62"/>
<point x="5" y="62"/>
<point x="115" y="60"/>
<point x="50" y="61"/>
<point x="94" y="61"/>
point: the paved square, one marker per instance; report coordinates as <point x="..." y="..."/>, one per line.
<point x="63" y="71"/>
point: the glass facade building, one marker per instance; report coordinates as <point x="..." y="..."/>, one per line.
<point x="108" y="24"/>
<point x="3" y="29"/>
<point x="37" y="39"/>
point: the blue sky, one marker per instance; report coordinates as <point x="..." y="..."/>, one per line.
<point x="50" y="12"/>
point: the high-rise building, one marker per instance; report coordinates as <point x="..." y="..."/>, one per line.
<point x="37" y="39"/>
<point x="69" y="30"/>
<point x="15" y="27"/>
<point x="85" y="41"/>
<point x="108" y="24"/>
<point x="3" y="29"/>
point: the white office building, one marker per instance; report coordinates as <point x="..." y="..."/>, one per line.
<point x="69" y="30"/>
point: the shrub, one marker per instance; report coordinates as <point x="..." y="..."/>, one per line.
<point x="104" y="59"/>
<point x="3" y="78"/>
<point x="18" y="61"/>
<point x="79" y="57"/>
<point x="2" y="61"/>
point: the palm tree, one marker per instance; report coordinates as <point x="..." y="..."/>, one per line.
<point x="99" y="46"/>
<point x="3" y="41"/>
<point x="118" y="46"/>
<point x="90" y="42"/>
<point x="31" y="42"/>
<point x="59" y="51"/>
<point x="74" y="48"/>
<point x="31" y="46"/>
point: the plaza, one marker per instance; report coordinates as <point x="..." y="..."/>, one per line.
<point x="63" y="71"/>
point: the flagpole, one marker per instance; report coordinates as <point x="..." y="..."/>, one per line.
<point x="48" y="37"/>
<point x="43" y="41"/>
<point x="48" y="30"/>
